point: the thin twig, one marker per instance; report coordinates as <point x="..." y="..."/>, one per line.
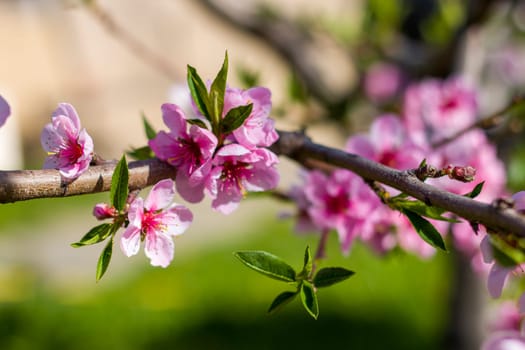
<point x="484" y="123"/>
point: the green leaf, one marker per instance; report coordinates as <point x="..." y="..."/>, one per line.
<point x="309" y="299"/>
<point x="118" y="193"/>
<point x="148" y="129"/>
<point x="307" y="263"/>
<point x="422" y="209"/>
<point x="425" y="229"/>
<point x="331" y="275"/>
<point x="218" y="88"/>
<point x="281" y="300"/>
<point x="235" y="118"/>
<point x="199" y="93"/>
<point x="267" y="264"/>
<point x="197" y="122"/>
<point x="476" y="191"/>
<point x="141" y="153"/>
<point x="104" y="259"/>
<point x="505" y="253"/>
<point x="95" y="235"/>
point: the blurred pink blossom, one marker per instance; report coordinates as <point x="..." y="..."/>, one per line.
<point x="5" y="110"/>
<point x="155" y="220"/>
<point x="387" y="143"/>
<point x="69" y="148"/>
<point x="339" y="201"/>
<point x="434" y="109"/>
<point x="510" y="340"/>
<point x="382" y="81"/>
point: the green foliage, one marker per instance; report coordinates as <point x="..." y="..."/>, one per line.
<point x="331" y="275"/>
<point x="235" y="118"/>
<point x="508" y="250"/>
<point x="274" y="267"/>
<point x="118" y="193"/>
<point x="267" y="264"/>
<point x="309" y="299"/>
<point x="95" y="235"/>
<point x="425" y="229"/>
<point x="141" y="153"/>
<point x="148" y="129"/>
<point x="104" y="259"/>
<point x="248" y="78"/>
<point x="420" y="208"/>
<point x="476" y="191"/>
<point x="211" y="104"/>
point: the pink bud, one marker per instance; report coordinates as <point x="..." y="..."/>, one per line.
<point x="104" y="211"/>
<point x="464" y="174"/>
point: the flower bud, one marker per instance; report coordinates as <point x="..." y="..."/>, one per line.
<point x="104" y="211"/>
<point x="464" y="174"/>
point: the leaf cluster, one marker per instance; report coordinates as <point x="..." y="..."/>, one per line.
<point x="306" y="282"/>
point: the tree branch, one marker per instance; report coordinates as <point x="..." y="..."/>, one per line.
<point x="23" y="185"/>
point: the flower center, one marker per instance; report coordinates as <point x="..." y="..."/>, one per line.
<point x="72" y="151"/>
<point x="338" y="203"/>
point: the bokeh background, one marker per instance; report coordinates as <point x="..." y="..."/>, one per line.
<point x="114" y="60"/>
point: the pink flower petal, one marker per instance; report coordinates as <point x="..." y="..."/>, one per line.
<point x="178" y="218"/>
<point x="160" y="195"/>
<point x="496" y="279"/>
<point x="159" y="249"/>
<point x="511" y="340"/>
<point x="174" y="118"/>
<point x="130" y="240"/>
<point x="68" y="111"/>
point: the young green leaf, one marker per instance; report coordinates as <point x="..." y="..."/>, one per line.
<point x="141" y="153"/>
<point x="307" y="263"/>
<point x="331" y="275"/>
<point x="422" y="209"/>
<point x="119" y="185"/>
<point x="199" y="93"/>
<point x="476" y="191"/>
<point x="104" y="259"/>
<point x="235" y="118"/>
<point x="425" y="229"/>
<point x="267" y="264"/>
<point x="197" y="122"/>
<point x="309" y="299"/>
<point x="95" y="235"/>
<point x="281" y="300"/>
<point x="148" y="129"/>
<point x="218" y="88"/>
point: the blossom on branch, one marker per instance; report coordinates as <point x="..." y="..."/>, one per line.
<point x="155" y="220"/>
<point x="69" y="148"/>
<point x="189" y="148"/>
<point x="258" y="129"/>
<point x="238" y="170"/>
<point x="5" y="110"/>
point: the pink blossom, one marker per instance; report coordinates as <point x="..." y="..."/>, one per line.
<point x="258" y="129"/>
<point x="237" y="170"/>
<point x="5" y="110"/>
<point x="387" y="143"/>
<point x="507" y="317"/>
<point x="154" y="221"/>
<point x="70" y="148"/>
<point x="382" y="81"/>
<point x="435" y="109"/>
<point x="511" y="340"/>
<point x="104" y="211"/>
<point x="339" y="201"/>
<point x="188" y="148"/>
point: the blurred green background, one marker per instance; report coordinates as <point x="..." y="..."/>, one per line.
<point x="208" y="300"/>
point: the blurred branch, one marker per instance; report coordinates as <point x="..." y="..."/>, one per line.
<point x="488" y="122"/>
<point x="131" y="42"/>
<point x="31" y="184"/>
<point x="292" y="43"/>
